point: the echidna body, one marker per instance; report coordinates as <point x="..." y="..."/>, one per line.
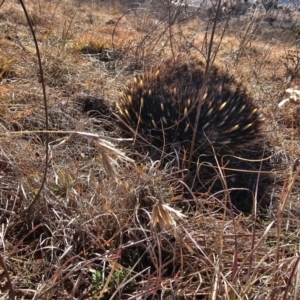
<point x="161" y="107"/>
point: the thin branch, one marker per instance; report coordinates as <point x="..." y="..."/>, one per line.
<point x="12" y="292"/>
<point x="202" y="91"/>
<point x="29" y="208"/>
<point x="2" y="3"/>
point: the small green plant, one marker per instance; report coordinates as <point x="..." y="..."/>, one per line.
<point x="118" y="277"/>
<point x="96" y="283"/>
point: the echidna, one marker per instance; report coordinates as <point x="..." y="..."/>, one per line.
<point x="161" y="107"/>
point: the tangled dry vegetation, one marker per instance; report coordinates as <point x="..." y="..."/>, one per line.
<point x="105" y="226"/>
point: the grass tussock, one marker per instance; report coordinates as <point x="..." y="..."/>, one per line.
<point x="108" y="222"/>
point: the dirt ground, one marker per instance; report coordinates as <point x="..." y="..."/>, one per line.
<point x="84" y="215"/>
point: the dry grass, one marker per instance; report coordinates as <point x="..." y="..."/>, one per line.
<point x="105" y="227"/>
